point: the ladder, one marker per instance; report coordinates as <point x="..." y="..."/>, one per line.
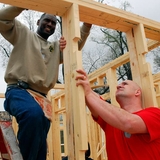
<point x="9" y="149"/>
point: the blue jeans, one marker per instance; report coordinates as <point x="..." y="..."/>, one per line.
<point x="33" y="125"/>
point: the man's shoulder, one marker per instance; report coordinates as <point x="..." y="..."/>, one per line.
<point x="149" y="111"/>
<point x="152" y="108"/>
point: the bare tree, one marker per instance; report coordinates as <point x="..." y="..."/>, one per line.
<point x="110" y="45"/>
<point x="5" y="47"/>
<point x="156" y="59"/>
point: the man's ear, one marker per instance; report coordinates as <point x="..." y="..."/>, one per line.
<point x="137" y="92"/>
<point x="38" y="22"/>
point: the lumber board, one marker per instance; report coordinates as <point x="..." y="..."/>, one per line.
<point x="56" y="132"/>
<point x="95" y="13"/>
<point x="49" y="6"/>
<point x="2" y="95"/>
<point x="156" y="77"/>
<point x="112" y="82"/>
<point x="152" y="44"/>
<point x="112" y="17"/>
<point x="144" y="68"/>
<point x="74" y="96"/>
<point x="113" y="64"/>
<point x="59" y="86"/>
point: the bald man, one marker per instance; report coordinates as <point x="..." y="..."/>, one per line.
<point x="131" y="132"/>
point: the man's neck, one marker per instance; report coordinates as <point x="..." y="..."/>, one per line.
<point x="45" y="39"/>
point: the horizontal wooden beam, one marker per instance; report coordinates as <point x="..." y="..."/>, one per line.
<point x="114" y="18"/>
<point x="57" y="7"/>
<point x="59" y="86"/>
<point x="94" y="13"/>
<point x="156" y="78"/>
<point x="152" y="44"/>
<point x="2" y="95"/>
<point x="113" y="64"/>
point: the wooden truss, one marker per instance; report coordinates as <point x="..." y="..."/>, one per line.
<point x="143" y="35"/>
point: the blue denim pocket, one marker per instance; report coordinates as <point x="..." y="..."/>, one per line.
<point x="12" y="95"/>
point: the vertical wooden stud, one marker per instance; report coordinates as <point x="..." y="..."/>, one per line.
<point x="75" y="103"/>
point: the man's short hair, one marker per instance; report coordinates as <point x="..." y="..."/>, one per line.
<point x="45" y="14"/>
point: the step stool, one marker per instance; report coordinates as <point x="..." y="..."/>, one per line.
<point x="9" y="149"/>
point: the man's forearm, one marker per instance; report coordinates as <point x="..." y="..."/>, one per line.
<point x="9" y="13"/>
<point x="112" y="115"/>
<point x="85" y="30"/>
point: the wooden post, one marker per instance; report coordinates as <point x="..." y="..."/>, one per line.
<point x="75" y="104"/>
<point x="141" y="71"/>
<point x="112" y="82"/>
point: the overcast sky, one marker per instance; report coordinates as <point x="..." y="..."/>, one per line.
<point x="146" y="8"/>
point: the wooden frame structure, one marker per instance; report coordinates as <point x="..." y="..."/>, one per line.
<point x="142" y="35"/>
